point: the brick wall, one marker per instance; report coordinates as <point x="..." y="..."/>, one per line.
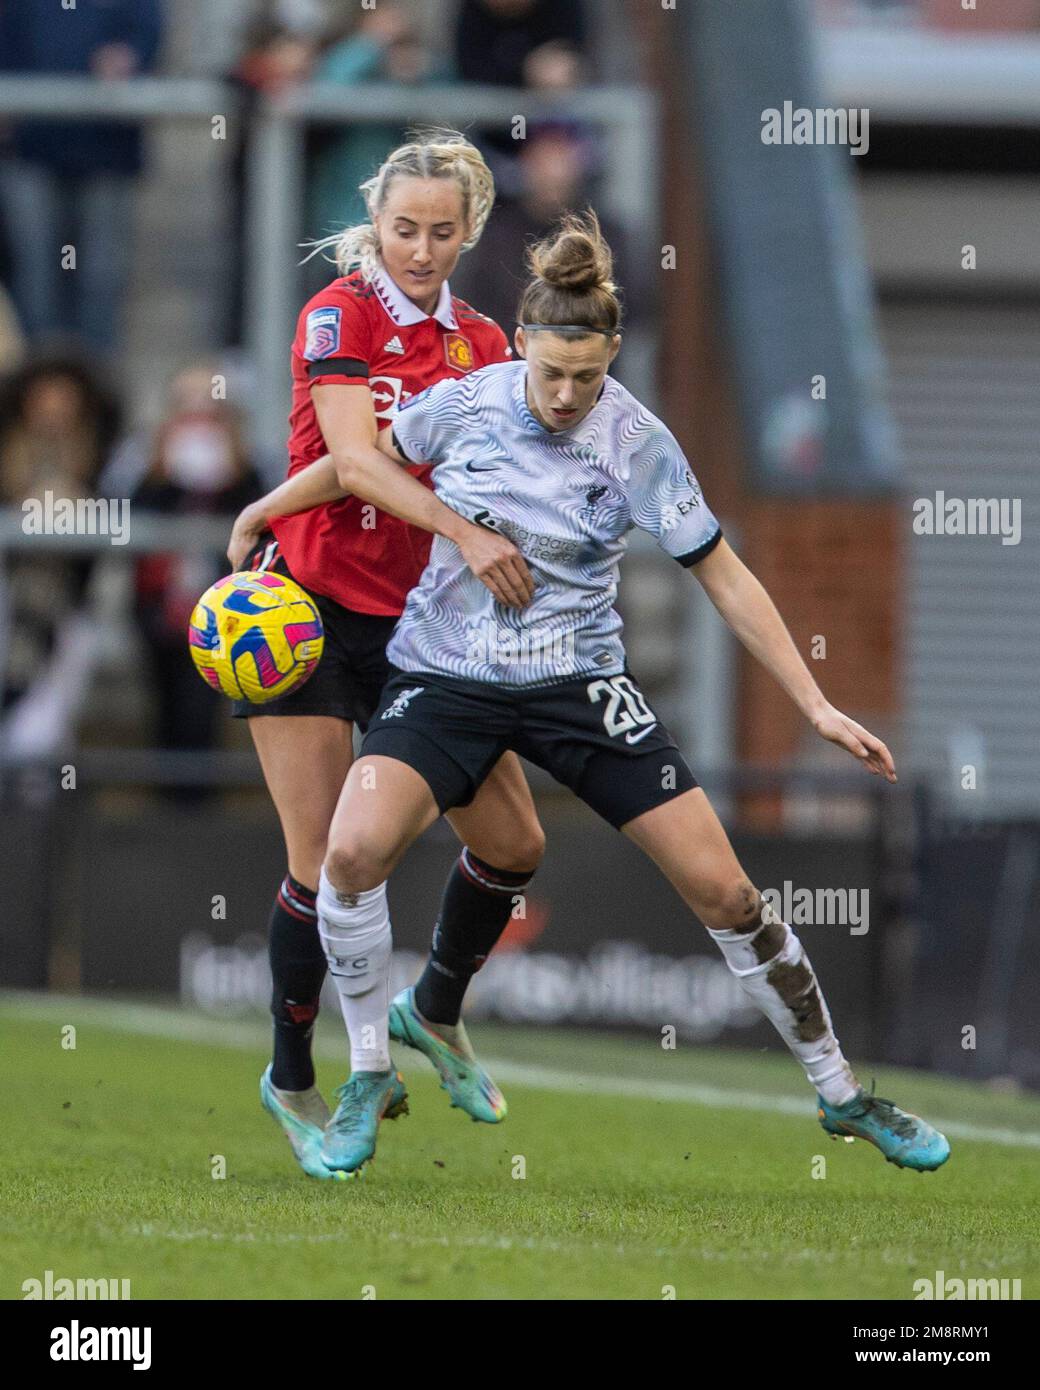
<point x="833" y="568"/>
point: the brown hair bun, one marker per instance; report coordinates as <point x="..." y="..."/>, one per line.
<point x="571" y="277"/>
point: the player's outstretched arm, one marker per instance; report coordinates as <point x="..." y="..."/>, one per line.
<point x="753" y="617"/>
<point x="365" y="464"/>
<point x="310" y="487"/>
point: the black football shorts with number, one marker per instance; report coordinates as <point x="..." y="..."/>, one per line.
<point x="347" y="681"/>
<point x="596" y="735"/>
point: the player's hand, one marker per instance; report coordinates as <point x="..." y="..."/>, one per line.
<point x="249" y="526"/>
<point x="497" y="563"/>
<point x="839" y="728"/>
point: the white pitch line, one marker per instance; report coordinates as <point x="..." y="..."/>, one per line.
<point x="545" y="1244"/>
<point x="152" y="1021"/>
<point x="488" y="1241"/>
<point x="692" y="1093"/>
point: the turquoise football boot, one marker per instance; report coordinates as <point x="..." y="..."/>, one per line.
<point x="904" y="1139"/>
<point x="304" y="1127"/>
<point x="365" y="1099"/>
<point x="462" y="1076"/>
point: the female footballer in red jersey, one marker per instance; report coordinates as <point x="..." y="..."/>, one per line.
<point x="385" y="330"/>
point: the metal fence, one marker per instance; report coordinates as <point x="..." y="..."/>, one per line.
<point x="697" y="700"/>
<point x="275" y="173"/>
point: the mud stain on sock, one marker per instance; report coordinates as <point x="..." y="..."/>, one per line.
<point x="796" y="986"/>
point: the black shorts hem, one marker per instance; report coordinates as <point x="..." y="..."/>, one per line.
<point x="245" y="709"/>
<point x="620" y="788"/>
<point x="448" y="781"/>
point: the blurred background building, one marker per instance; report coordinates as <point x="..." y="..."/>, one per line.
<point x="834" y="336"/>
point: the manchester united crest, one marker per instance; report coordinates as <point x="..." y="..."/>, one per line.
<point x="459" y="352"/>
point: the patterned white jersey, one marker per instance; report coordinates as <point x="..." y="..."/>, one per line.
<point x="566" y="499"/>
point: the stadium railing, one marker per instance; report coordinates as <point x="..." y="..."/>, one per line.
<point x="276" y="169"/>
<point x="697" y="699"/>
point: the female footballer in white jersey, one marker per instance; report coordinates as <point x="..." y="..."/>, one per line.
<point x="557" y="457"/>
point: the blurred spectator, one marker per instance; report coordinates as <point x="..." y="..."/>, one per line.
<point x="274" y="59"/>
<point x="198" y="466"/>
<point x="384" y="46"/>
<point x="308" y="17"/>
<point x="555" y="164"/>
<point x="71" y="183"/>
<point x="210" y="37"/>
<point x="12" y="339"/>
<point x="57" y="424"/>
<point x="519" y="43"/>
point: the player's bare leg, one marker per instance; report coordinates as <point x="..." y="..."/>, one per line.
<point x="305" y="760"/>
<point x="686" y="840"/>
<point x="504" y="843"/>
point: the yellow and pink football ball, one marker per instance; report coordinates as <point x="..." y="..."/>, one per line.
<point x="255" y="636"/>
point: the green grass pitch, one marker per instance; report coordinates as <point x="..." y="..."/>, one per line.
<point x="645" y="1171"/>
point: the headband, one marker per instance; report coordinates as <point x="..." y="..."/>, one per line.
<point x="565" y="328"/>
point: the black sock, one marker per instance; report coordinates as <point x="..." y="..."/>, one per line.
<point x="298" y="968"/>
<point x="477" y="903"/>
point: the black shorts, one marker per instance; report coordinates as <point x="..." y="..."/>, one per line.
<point x="596" y="735"/>
<point x="347" y="681"/>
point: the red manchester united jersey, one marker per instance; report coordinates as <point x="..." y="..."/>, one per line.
<point x="359" y="332"/>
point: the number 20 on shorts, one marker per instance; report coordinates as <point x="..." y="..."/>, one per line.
<point x="626" y="705"/>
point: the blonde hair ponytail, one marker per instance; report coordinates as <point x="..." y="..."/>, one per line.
<point x="434" y="153"/>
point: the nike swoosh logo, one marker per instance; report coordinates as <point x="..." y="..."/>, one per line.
<point x="634" y="738"/>
<point x="472" y="468"/>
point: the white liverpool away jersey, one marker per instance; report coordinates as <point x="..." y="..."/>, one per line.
<point x="567" y="500"/>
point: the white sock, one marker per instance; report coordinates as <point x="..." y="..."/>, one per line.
<point x="785" y="988"/>
<point x="355" y="931"/>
